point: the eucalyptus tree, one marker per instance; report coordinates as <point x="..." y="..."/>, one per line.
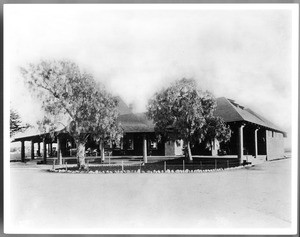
<point x="184" y="111"/>
<point x="72" y="97"/>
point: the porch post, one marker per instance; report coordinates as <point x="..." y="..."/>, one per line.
<point x="23" y="151"/>
<point x="32" y="149"/>
<point x="44" y="151"/>
<point x="48" y="149"/>
<point x="241" y="144"/>
<point x="102" y="150"/>
<point x="145" y="148"/>
<point x="255" y="140"/>
<point x="39" y="149"/>
<point x="51" y="150"/>
<point x="214" y="150"/>
<point x="59" y="160"/>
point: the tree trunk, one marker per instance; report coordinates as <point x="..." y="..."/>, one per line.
<point x="102" y="151"/>
<point x="81" y="155"/>
<point x="190" y="158"/>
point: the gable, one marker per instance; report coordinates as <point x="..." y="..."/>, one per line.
<point x="231" y="111"/>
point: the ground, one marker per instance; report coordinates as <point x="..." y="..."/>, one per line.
<point x="256" y="197"/>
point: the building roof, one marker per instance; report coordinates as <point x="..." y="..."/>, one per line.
<point x="35" y="138"/>
<point x="133" y="122"/>
<point x="136" y="123"/>
<point x="227" y="109"/>
<point x="231" y="111"/>
<point x="122" y="106"/>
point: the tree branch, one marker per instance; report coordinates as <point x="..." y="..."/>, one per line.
<point x="56" y="96"/>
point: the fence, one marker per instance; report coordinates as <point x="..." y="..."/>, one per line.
<point x="198" y="165"/>
<point x="208" y="164"/>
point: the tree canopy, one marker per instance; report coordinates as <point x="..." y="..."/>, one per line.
<point x="184" y="111"/>
<point x="73" y="98"/>
<point x="16" y="124"/>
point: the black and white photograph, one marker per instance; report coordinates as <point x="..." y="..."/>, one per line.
<point x="150" y="118"/>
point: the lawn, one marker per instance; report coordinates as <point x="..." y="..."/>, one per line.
<point x="257" y="197"/>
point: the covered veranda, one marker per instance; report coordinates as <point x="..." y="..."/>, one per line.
<point x="248" y="141"/>
<point x="48" y="146"/>
<point x="61" y="148"/>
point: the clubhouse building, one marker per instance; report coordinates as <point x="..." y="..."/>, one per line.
<point x="254" y="138"/>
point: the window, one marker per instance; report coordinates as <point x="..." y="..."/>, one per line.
<point x="69" y="144"/>
<point x="153" y="145"/>
<point x="178" y="143"/>
<point x="117" y="144"/>
<point x="130" y="144"/>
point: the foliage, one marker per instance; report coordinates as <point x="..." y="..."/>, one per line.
<point x="183" y="111"/>
<point x="46" y="125"/>
<point x="16" y="124"/>
<point x="73" y="98"/>
<point x="216" y="128"/>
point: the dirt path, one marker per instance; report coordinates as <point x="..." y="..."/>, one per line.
<point x="257" y="197"/>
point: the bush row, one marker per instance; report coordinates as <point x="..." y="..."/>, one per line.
<point x="143" y="171"/>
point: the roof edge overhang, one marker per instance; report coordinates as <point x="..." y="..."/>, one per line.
<point x="259" y="125"/>
<point x="38" y="137"/>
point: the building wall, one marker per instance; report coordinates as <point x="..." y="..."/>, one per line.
<point x="137" y="148"/>
<point x="215" y="148"/>
<point x="179" y="148"/>
<point x="170" y="148"/>
<point x="173" y="148"/>
<point x="275" y="145"/>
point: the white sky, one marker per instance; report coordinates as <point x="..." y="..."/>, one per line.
<point x="240" y="54"/>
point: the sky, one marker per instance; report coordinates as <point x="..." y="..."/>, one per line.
<point x="245" y="54"/>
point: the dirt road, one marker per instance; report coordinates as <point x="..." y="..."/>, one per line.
<point x="257" y="197"/>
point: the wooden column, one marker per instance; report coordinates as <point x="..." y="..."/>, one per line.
<point x="145" y="149"/>
<point x="44" y="151"/>
<point x="59" y="160"/>
<point x="51" y="150"/>
<point x="32" y="149"/>
<point x="48" y="150"/>
<point x="241" y="143"/>
<point x="23" y="151"/>
<point x="39" y="149"/>
<point x="255" y="140"/>
<point x="102" y="154"/>
<point x="214" y="150"/>
<point x="266" y="143"/>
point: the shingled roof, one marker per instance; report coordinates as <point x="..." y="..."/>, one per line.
<point x="122" y="106"/>
<point x="227" y="109"/>
<point x="136" y="123"/>
<point x="231" y="111"/>
<point x="133" y="122"/>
